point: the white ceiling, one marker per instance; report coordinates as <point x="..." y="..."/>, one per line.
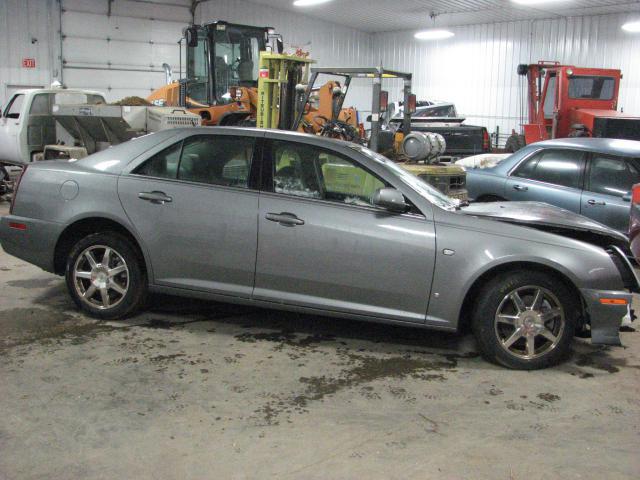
<point x="388" y="15"/>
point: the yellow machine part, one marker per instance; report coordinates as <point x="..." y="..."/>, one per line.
<point x="449" y="179"/>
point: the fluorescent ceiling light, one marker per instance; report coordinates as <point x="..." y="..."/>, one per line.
<point x="535" y="2"/>
<point x="632" y="27"/>
<point x="433" y="34"/>
<point x="309" y="3"/>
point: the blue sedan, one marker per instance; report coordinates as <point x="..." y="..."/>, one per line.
<point x="589" y="176"/>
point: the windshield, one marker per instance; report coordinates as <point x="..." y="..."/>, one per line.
<point x="417" y="184"/>
<point x="236" y="58"/>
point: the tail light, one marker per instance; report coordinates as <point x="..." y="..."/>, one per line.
<point x="635" y="194"/>
<point x="485" y="140"/>
<point x="411" y="104"/>
<point x="15" y="189"/>
<point x="384" y="100"/>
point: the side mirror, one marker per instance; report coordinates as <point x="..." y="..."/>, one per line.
<point x="627" y="197"/>
<point x="191" y="36"/>
<point x="368" y="119"/>
<point x="390" y="199"/>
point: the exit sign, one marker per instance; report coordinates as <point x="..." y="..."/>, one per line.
<point x="28" y="63"/>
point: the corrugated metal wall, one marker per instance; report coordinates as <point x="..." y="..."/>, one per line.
<point x="119" y="47"/>
<point x="476" y="69"/>
<point x="28" y="29"/>
<point x="122" y="54"/>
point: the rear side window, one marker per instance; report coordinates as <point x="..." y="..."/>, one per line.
<point x="40" y="104"/>
<point x="211" y="159"/>
<point x="558" y="167"/>
<point x="163" y="164"/>
<point x="217" y="160"/>
<point x="612" y="175"/>
<point x="526" y="168"/>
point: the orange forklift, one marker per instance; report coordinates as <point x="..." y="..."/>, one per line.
<point x="567" y="101"/>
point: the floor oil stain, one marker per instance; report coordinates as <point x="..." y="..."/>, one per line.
<point x="360" y="370"/>
<point x="23" y="326"/>
<point x="33" y="283"/>
<point x="548" y="397"/>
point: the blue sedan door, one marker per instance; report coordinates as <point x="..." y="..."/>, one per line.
<point x="550" y="176"/>
<point x="607" y="194"/>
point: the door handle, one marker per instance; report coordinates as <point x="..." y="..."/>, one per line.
<point x="520" y="188"/>
<point x="159" y="198"/>
<point x="591" y="201"/>
<point x="285" y="219"/>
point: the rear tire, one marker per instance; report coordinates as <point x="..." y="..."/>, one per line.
<point x="105" y="277"/>
<point x="525" y="320"/>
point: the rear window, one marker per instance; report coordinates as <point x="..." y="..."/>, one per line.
<point x="591" y="87"/>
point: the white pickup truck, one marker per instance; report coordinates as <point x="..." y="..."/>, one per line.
<point x="60" y="123"/>
<point x="27" y="124"/>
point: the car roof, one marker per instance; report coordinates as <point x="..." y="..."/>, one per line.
<point x="613" y="146"/>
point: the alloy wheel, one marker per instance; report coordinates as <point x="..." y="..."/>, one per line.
<point x="101" y="277"/>
<point x="529" y="322"/>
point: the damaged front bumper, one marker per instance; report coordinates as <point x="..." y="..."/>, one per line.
<point x="606" y="310"/>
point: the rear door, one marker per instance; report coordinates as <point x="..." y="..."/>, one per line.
<point x="194" y="206"/>
<point x="607" y="194"/>
<point x="323" y="244"/>
<point x="553" y="176"/>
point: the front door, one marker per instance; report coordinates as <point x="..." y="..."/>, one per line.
<point x="195" y="213"/>
<point x="552" y="176"/>
<point x="10" y="130"/>
<point x="322" y="244"/>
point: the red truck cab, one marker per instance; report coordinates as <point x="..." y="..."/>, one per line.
<point x="567" y="101"/>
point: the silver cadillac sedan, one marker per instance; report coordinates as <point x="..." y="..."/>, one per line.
<point x="304" y="223"/>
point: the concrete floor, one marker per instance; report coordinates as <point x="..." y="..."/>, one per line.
<point x="197" y="390"/>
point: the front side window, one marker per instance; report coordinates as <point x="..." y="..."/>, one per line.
<point x="198" y="70"/>
<point x="550" y="98"/>
<point x="14" y="107"/>
<point x="307" y="171"/>
<point x="591" y="87"/>
<point x="612" y="175"/>
<point x="210" y="159"/>
<point x="558" y="167"/>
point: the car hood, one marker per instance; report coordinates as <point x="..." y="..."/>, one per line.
<point x="543" y="216"/>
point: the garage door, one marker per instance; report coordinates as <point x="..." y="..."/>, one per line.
<point x="118" y="47"/>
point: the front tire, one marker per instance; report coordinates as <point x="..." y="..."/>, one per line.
<point x="525" y="320"/>
<point x="105" y="277"/>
